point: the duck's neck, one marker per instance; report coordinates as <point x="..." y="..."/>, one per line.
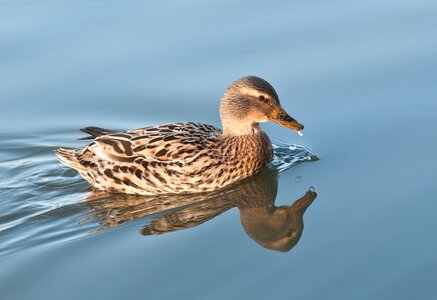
<point x="234" y="114"/>
<point x="239" y="129"/>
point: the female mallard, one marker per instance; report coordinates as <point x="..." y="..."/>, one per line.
<point x="185" y="157"/>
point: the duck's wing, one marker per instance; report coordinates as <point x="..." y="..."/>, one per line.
<point x="169" y="142"/>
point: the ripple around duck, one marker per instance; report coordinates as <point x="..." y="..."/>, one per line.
<point x="287" y="156"/>
<point x="44" y="202"/>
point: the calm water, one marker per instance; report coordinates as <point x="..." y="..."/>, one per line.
<point x="360" y="76"/>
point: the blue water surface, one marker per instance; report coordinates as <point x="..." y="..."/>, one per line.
<point x="359" y="75"/>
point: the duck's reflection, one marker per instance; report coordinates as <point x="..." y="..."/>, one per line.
<point x="276" y="228"/>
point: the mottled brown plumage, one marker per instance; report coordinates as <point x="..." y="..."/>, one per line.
<point x="185" y="157"/>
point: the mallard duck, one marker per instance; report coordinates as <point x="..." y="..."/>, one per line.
<point x="185" y="157"/>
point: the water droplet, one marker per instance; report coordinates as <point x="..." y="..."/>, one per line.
<point x="312" y="189"/>
<point x="300" y="132"/>
<point x="298" y="178"/>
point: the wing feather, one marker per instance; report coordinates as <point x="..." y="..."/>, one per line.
<point x="168" y="142"/>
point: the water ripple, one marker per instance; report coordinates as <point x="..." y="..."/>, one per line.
<point x="287" y="156"/>
<point x="44" y="202"/>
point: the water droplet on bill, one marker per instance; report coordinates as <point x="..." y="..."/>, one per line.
<point x="300" y="132"/>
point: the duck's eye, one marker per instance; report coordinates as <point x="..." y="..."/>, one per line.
<point x="261" y="97"/>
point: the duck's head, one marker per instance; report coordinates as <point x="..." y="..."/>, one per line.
<point x="251" y="100"/>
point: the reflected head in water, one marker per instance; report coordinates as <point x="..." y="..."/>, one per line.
<point x="275" y="228"/>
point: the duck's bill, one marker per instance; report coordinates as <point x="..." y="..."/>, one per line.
<point x="281" y="117"/>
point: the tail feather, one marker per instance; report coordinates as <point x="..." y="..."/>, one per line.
<point x="69" y="157"/>
<point x="94" y="132"/>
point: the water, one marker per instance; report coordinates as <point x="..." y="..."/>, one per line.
<point x="359" y="76"/>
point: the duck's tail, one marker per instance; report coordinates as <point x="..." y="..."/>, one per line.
<point x="69" y="157"/>
<point x="94" y="132"/>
